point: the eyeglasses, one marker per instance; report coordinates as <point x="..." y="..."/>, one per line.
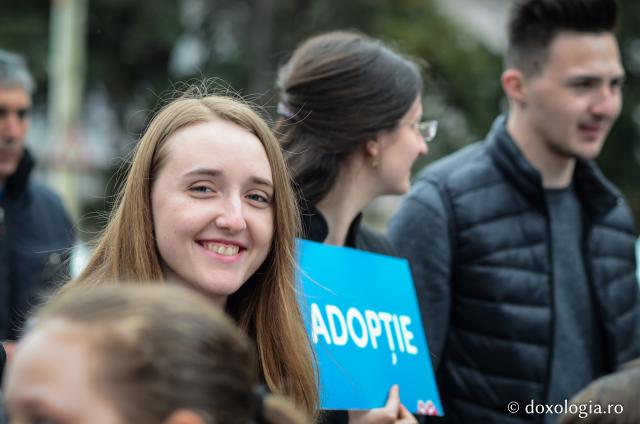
<point x="427" y="129"/>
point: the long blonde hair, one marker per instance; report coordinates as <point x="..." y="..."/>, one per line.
<point x="165" y="349"/>
<point x="266" y="306"/>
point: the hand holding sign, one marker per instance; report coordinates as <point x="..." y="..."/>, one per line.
<point x="392" y="413"/>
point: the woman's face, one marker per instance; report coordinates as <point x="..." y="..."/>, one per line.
<point x="399" y="149"/>
<point x="212" y="205"/>
<point x="51" y="380"/>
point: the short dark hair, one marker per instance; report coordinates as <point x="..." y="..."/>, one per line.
<point x="339" y="90"/>
<point x="534" y="24"/>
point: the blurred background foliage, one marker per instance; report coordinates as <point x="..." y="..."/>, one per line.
<point x="137" y="50"/>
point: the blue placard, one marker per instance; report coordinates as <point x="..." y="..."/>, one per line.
<point x="361" y="312"/>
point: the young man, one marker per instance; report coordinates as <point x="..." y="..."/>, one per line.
<point x="35" y="230"/>
<point x="522" y="251"/>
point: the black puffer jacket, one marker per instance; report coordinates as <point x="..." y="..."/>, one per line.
<point x="35" y="237"/>
<point x="476" y="231"/>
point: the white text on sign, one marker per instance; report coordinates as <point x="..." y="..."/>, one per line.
<point x="362" y="328"/>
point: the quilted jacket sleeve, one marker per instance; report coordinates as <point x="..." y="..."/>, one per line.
<point x="420" y="232"/>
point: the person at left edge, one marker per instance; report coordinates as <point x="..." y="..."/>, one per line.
<point x="35" y="230"/>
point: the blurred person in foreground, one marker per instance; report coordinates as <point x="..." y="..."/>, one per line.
<point x="351" y="128"/>
<point x="36" y="232"/>
<point x="522" y="251"/>
<point x="612" y="399"/>
<point x="131" y="354"/>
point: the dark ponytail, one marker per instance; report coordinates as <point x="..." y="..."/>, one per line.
<point x="339" y="90"/>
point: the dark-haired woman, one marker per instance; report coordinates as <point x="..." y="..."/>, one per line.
<point x="351" y="130"/>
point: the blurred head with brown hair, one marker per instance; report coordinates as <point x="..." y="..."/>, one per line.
<point x="143" y="355"/>
<point x="612" y="399"/>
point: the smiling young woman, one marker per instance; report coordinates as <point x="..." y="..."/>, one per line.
<point x="207" y="204"/>
<point x="212" y="213"/>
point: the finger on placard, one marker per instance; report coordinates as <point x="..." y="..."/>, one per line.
<point x="393" y="401"/>
<point x="406" y="416"/>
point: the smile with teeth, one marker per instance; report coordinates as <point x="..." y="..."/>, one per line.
<point x="222" y="249"/>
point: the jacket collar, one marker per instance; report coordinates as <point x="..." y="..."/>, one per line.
<point x="17" y="182"/>
<point x="315" y="227"/>
<point x="596" y="193"/>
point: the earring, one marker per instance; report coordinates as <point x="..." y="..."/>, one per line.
<point x="375" y="163"/>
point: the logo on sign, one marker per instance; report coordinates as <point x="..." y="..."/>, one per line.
<point x="427" y="408"/>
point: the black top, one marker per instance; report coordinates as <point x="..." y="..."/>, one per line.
<point x="36" y="235"/>
<point x="315" y="228"/>
<point x="359" y="236"/>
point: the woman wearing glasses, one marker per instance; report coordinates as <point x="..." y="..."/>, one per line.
<point x="350" y="127"/>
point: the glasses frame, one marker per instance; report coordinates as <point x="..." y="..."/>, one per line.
<point x="427" y="129"/>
